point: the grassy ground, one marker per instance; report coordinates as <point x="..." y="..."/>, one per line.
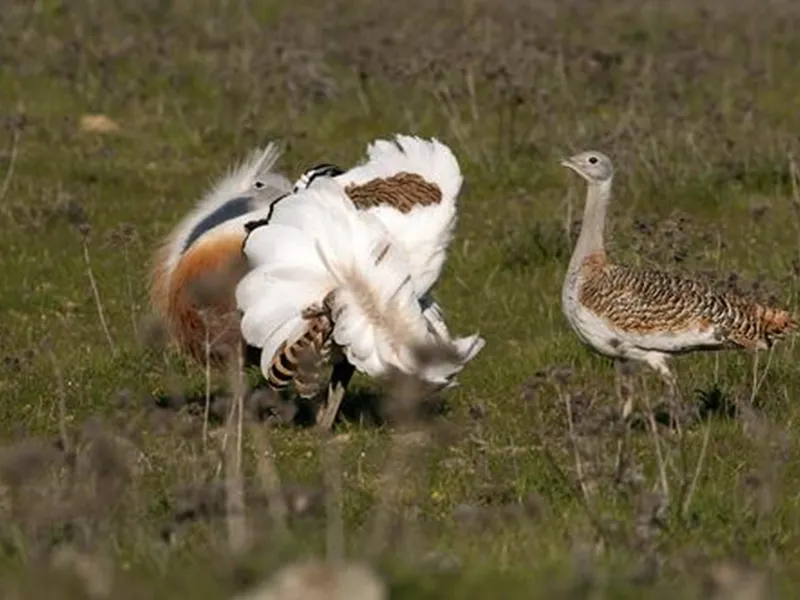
<point x="111" y="491"/>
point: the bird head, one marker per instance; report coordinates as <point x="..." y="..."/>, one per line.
<point x="593" y="166"/>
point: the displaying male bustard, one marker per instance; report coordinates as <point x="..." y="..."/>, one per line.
<point x="199" y="263"/>
<point x="342" y="271"/>
<point x="648" y="315"/>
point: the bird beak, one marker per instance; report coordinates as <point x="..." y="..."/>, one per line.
<point x="568" y="162"/>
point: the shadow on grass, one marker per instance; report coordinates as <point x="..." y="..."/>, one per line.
<point x="362" y="405"/>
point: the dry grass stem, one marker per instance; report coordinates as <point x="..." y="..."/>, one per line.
<point x="96" y="294"/>
<point x="269" y="477"/>
<point x="234" y="482"/>
<point x="334" y="500"/>
<point x="12" y="161"/>
<point x="687" y="503"/>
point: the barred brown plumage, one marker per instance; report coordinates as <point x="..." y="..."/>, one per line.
<point x="650" y="300"/>
<point x="403" y="192"/>
<point x="302" y="361"/>
<point x="646" y="315"/>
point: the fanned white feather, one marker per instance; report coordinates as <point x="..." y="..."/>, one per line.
<point x="426" y="231"/>
<point x="465" y="348"/>
<point x="316" y="243"/>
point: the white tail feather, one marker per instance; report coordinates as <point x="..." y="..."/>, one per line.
<point x="464" y="348"/>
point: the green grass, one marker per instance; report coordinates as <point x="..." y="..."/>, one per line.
<point x="696" y="103"/>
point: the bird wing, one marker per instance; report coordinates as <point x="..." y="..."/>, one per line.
<point x="202" y="252"/>
<point x="411" y="185"/>
<point x="668" y="312"/>
<point x="426" y="161"/>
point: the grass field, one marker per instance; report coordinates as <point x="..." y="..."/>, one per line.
<point x="523" y="483"/>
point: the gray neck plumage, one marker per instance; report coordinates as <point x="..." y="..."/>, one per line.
<point x="590" y="240"/>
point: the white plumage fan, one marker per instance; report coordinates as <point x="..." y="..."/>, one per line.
<point x="345" y="265"/>
<point x="411" y="185"/>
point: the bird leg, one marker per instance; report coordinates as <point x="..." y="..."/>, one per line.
<point x="658" y="363"/>
<point x="673" y="390"/>
<point x="340" y="379"/>
<point x="342" y="370"/>
<point x="624" y="389"/>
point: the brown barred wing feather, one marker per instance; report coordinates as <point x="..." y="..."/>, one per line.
<point x="304" y="360"/>
<point x="656" y="306"/>
<point x="403" y="192"/>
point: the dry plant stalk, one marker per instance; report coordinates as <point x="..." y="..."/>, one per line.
<point x="758" y="382"/>
<point x="12" y="161"/>
<point x="269" y="477"/>
<point x="405" y="393"/>
<point x="687" y="502"/>
<point x="62" y="402"/>
<point x="234" y="484"/>
<point x="207" y="407"/>
<point x="565" y="398"/>
<point x="96" y="293"/>
<point x="400" y="452"/>
<point x="332" y="469"/>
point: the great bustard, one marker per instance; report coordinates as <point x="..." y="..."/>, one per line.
<point x="647" y="315"/>
<point x="315" y="296"/>
<point x="405" y="190"/>
<point x="410" y="185"/>
<point x="197" y="266"/>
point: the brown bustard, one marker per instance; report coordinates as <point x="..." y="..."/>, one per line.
<point x="648" y="315"/>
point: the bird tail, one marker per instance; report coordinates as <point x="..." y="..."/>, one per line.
<point x="318" y="254"/>
<point x="430" y="159"/>
<point x="462" y="349"/>
<point x="776" y="323"/>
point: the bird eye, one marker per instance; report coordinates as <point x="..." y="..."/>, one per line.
<point x="259" y="184"/>
<point x="592" y="160"/>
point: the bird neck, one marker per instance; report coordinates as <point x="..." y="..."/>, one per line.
<point x="590" y="240"/>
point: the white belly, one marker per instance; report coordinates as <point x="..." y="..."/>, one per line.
<point x="609" y="341"/>
<point x="592" y="330"/>
<point x="597" y="333"/>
